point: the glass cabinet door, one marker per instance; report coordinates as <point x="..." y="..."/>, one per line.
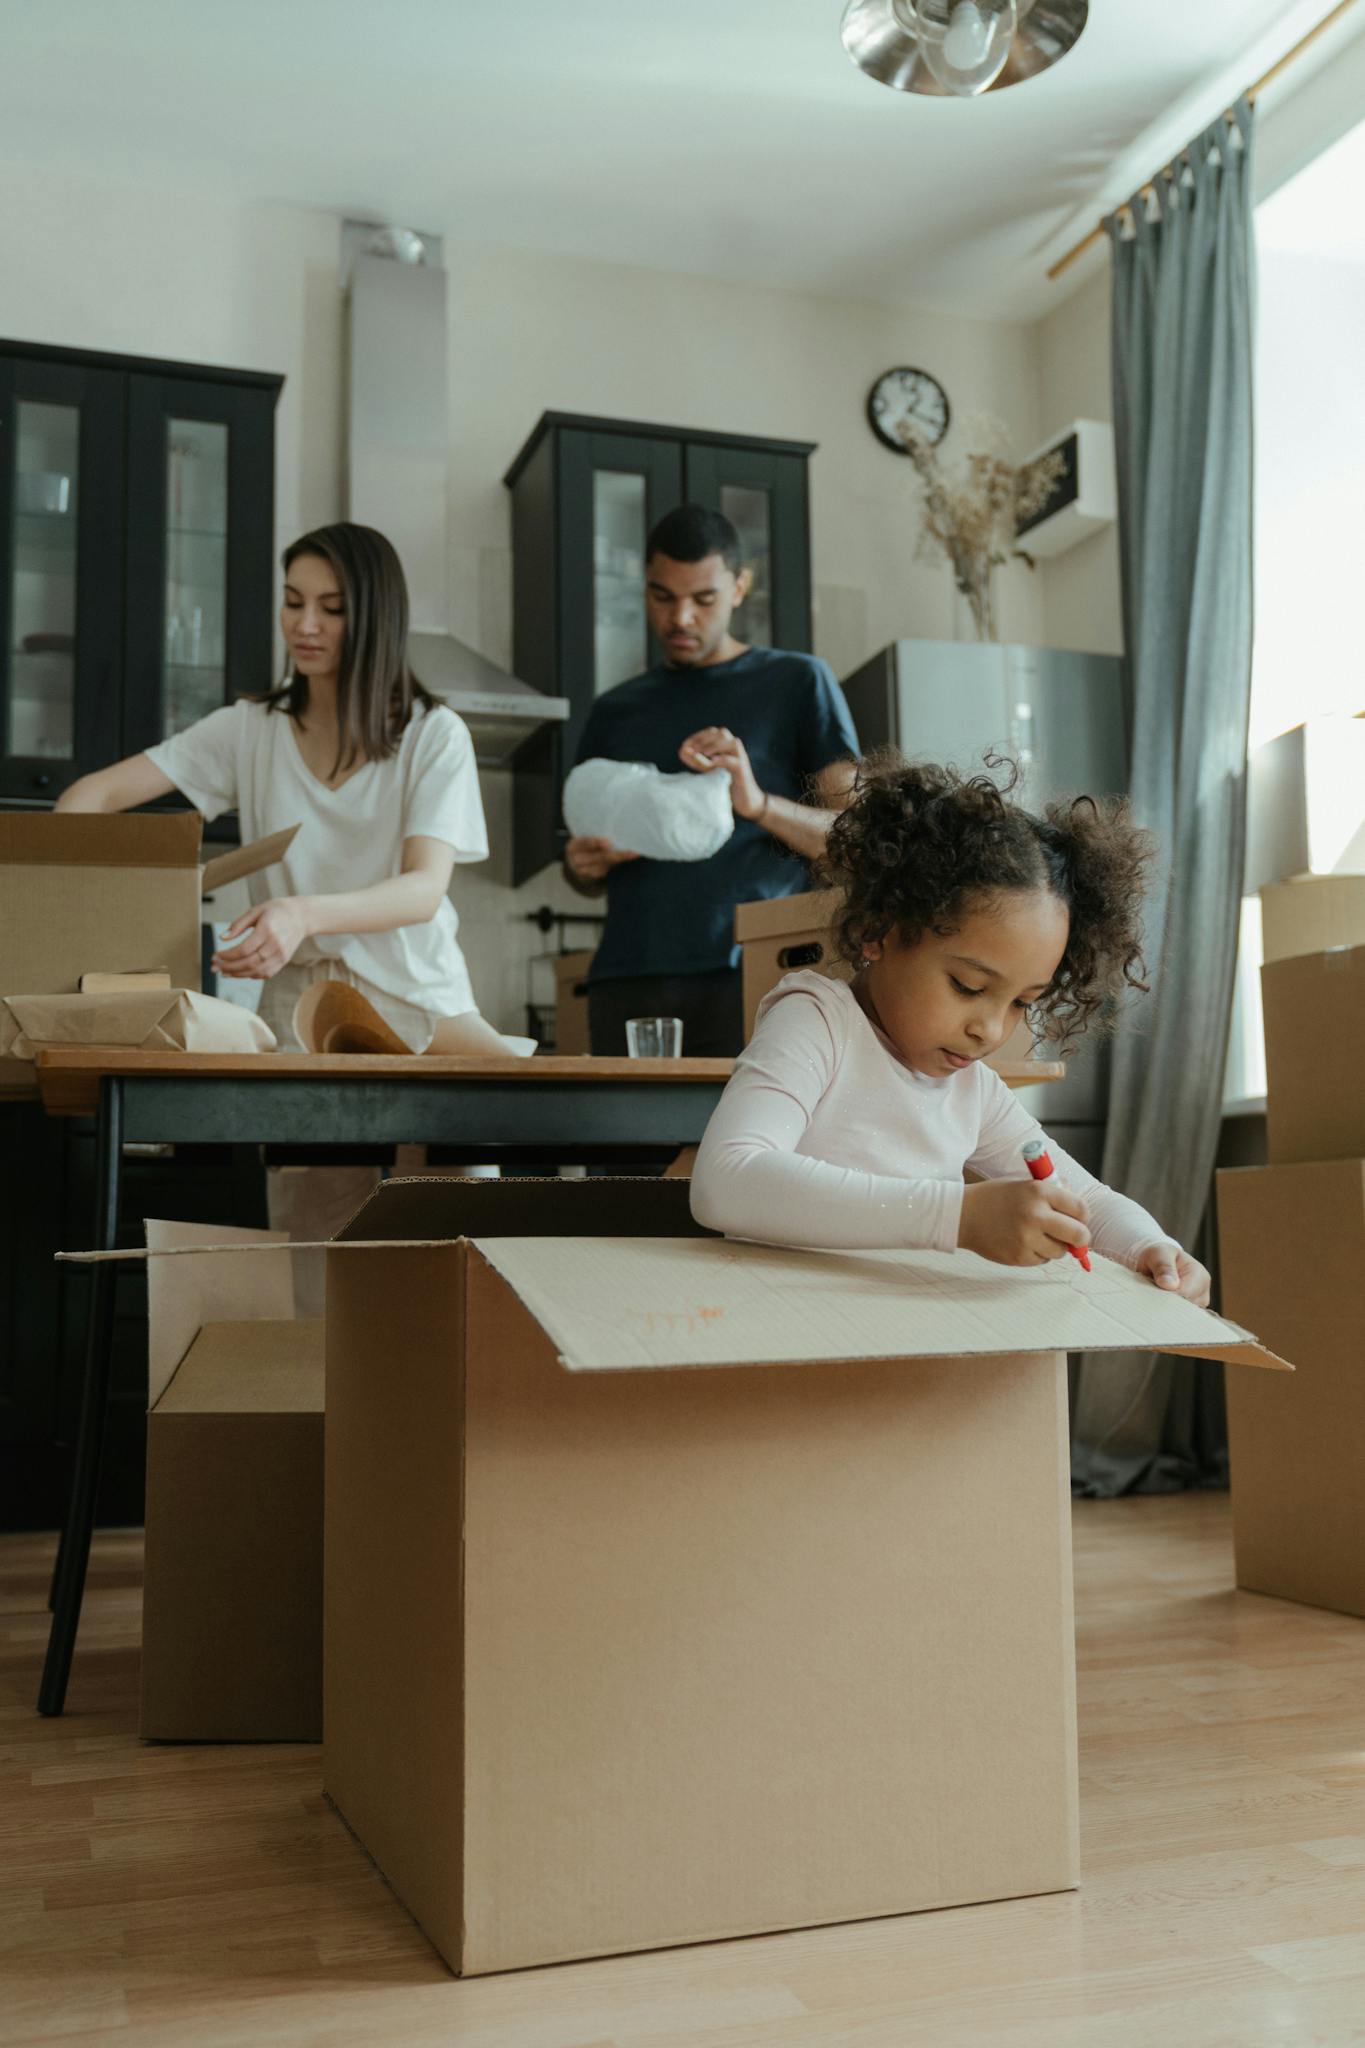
<point x="200" y="552"/>
<point x="612" y="489"/>
<point x="40" y="720"/>
<point x="59" y="435"/>
<point x="763" y="495"/>
<point x="194" y="600"/>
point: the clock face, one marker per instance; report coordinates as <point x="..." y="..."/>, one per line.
<point x="912" y="397"/>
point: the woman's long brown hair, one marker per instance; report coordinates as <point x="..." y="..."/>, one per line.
<point x="376" y="689"/>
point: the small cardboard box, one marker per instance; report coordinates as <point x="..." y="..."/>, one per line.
<point x="571" y="1003"/>
<point x="232" y="1610"/>
<point x="1306" y="802"/>
<point x="1292" y="1249"/>
<point x="679" y="1589"/>
<point x="1312" y="915"/>
<point x="90" y="893"/>
<point x="784" y="933"/>
<point x="1314" y="1006"/>
<point x="779" y="935"/>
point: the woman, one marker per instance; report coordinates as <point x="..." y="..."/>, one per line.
<point x="379" y="777"/>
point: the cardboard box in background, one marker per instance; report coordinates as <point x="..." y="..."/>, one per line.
<point x="94" y="893"/>
<point x="1306" y="802"/>
<point x="1292" y="1249"/>
<point x="1312" y="915"/>
<point x="781" y="934"/>
<point x="571" y="1003"/>
<point x="232" y="1608"/>
<point x="1314" y="1006"/>
<point x="784" y="933"/>
<point x="621" y="1654"/>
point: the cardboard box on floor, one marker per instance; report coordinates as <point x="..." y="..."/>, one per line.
<point x="1314" y="1007"/>
<point x="784" y="933"/>
<point x="1312" y="915"/>
<point x="1292" y="1251"/>
<point x="106" y="894"/>
<point x="232" y="1604"/>
<point x="571" y="1003"/>
<point x="678" y="1589"/>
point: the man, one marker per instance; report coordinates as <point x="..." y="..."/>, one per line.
<point x="780" y="726"/>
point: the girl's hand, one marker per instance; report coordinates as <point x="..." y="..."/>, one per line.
<point x="1176" y="1272"/>
<point x="1021" y="1222"/>
<point x="715" y="746"/>
<point x="277" y="929"/>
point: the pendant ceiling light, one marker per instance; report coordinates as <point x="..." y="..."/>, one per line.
<point x="959" y="48"/>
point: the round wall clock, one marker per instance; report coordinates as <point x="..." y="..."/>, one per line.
<point x="909" y="396"/>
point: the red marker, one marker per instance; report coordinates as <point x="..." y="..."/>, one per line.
<point x="1040" y="1166"/>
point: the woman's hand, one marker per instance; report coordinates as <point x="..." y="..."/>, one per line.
<point x="715" y="746"/>
<point x="1020" y="1222"/>
<point x="591" y="860"/>
<point x="277" y="929"/>
<point x="1175" y="1272"/>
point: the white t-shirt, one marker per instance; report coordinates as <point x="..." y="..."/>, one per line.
<point x="246" y="758"/>
<point x="824" y="1137"/>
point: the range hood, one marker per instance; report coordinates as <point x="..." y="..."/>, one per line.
<point x="398" y="445"/>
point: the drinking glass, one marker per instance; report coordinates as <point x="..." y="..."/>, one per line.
<point x="654" y="1038"/>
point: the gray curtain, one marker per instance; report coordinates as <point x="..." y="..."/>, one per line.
<point x="1182" y="362"/>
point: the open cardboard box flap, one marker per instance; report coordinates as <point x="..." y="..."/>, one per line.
<point x="149" y="839"/>
<point x="665" y="1296"/>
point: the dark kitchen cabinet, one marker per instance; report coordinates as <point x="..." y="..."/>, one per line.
<point x="585" y="493"/>
<point x="136" y="555"/>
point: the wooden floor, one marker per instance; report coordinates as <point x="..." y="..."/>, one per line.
<point x="178" y="1898"/>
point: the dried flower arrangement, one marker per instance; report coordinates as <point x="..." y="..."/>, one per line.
<point x="972" y="519"/>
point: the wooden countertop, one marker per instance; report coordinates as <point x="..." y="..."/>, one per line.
<point x="69" y="1076"/>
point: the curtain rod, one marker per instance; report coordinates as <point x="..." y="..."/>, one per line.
<point x="1253" y="92"/>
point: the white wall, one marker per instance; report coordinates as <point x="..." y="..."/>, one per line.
<point x="137" y="270"/>
<point x="534" y="333"/>
<point x="149" y="271"/>
<point x="1082" y="606"/>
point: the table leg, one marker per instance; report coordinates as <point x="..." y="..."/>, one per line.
<point x="73" y="1554"/>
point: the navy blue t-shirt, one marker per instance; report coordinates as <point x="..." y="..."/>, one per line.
<point x="678" y="917"/>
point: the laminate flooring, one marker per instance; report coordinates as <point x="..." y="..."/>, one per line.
<point x="201" y="1897"/>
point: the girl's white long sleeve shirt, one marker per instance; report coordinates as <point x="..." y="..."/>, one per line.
<point x="824" y="1137"/>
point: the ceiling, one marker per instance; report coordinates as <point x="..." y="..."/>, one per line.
<point x="726" y="138"/>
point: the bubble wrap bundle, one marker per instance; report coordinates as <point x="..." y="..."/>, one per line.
<point x="642" y="810"/>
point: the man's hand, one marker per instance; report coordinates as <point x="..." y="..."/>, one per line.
<point x="715" y="746"/>
<point x="591" y="860"/>
<point x="1175" y="1272"/>
<point x="1021" y="1222"/>
<point x="276" y="931"/>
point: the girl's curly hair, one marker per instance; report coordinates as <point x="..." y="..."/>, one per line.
<point x="919" y="845"/>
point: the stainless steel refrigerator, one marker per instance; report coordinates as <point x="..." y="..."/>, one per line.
<point x="1061" y="716"/>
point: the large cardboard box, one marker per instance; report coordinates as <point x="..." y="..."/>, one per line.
<point x="89" y="893"/>
<point x="232" y="1608"/>
<point x="1292" y="1249"/>
<point x="1314" y="1007"/>
<point x="679" y="1589"/>
<point x="784" y="933"/>
<point x="1311" y="915"/>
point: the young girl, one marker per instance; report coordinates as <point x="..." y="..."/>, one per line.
<point x="855" y="1110"/>
<point x="379" y="777"/>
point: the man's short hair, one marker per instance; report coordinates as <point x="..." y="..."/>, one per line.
<point x="692" y="532"/>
